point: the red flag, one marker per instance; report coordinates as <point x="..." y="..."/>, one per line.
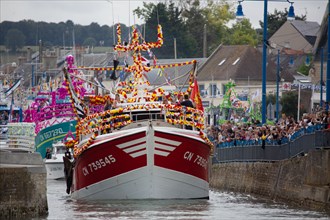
<point x="196" y="96"/>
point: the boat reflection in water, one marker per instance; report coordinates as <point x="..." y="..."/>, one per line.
<point x="221" y="205"/>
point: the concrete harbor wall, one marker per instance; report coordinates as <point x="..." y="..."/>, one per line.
<point x="302" y="181"/>
<point x="23" y="185"/>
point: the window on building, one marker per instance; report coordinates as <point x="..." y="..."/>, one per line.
<point x="213" y="90"/>
<point x="201" y="89"/>
<point x="224" y="88"/>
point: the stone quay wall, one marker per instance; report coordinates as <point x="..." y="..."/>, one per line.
<point x="23" y="186"/>
<point x="302" y="181"/>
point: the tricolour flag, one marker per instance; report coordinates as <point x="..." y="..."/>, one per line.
<point x="196" y="96"/>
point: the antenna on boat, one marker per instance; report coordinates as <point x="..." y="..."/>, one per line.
<point x="113" y="22"/>
<point x="129" y="20"/>
<point x="157" y="14"/>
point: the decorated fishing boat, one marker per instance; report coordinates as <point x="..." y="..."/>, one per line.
<point x="143" y="147"/>
<point x="54" y="158"/>
<point x="52" y="111"/>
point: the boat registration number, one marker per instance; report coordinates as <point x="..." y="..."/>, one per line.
<point x="196" y="159"/>
<point x="98" y="164"/>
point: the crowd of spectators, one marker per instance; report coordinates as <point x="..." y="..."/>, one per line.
<point x="237" y="133"/>
<point x="4" y="117"/>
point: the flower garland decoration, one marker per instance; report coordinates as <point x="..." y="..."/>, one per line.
<point x="78" y="150"/>
<point x="99" y="100"/>
<point x="70" y="143"/>
<point x="118" y="30"/>
<point x="207" y="140"/>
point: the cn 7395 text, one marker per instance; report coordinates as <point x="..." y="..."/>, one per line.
<point x="196" y="159"/>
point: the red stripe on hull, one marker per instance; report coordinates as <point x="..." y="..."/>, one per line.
<point x="190" y="157"/>
<point x="106" y="160"/>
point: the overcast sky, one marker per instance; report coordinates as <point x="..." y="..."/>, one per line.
<point x="85" y="12"/>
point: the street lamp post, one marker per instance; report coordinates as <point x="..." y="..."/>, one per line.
<point x="328" y="61"/>
<point x="264" y="64"/>
<point x="321" y="80"/>
<point x="277" y="85"/>
<point x="291" y="16"/>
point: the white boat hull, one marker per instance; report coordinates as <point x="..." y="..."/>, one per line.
<point x="143" y="164"/>
<point x="146" y="184"/>
<point x="55" y="168"/>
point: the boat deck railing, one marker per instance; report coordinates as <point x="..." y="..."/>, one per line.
<point x="17" y="136"/>
<point x="180" y="116"/>
<point x="58" y="111"/>
<point x="53" y="114"/>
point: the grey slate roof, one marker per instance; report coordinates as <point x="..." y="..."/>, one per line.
<point x="236" y="62"/>
<point x="308" y="29"/>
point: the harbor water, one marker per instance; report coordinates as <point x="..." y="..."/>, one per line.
<point x="221" y="205"/>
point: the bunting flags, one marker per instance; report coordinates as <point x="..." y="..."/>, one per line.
<point x="152" y="67"/>
<point x="196" y="96"/>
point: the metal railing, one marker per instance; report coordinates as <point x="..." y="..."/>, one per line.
<point x="17" y="136"/>
<point x="253" y="153"/>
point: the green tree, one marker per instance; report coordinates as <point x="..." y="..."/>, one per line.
<point x="208" y="20"/>
<point x="195" y="20"/>
<point x="186" y="21"/>
<point x="306" y="66"/>
<point x="271" y="98"/>
<point x="90" y="41"/>
<point x="218" y="14"/>
<point x="287" y="101"/>
<point x="173" y="26"/>
<point x="14" y="40"/>
<point x="241" y="33"/>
